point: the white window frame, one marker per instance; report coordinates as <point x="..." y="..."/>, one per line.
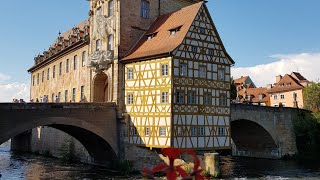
<point x="130" y="74"/>
<point x="164" y="97"/>
<point x="193" y="130"/>
<point x="83" y="61"/>
<point x="211" y="52"/>
<point x="180" y="97"/>
<point x="75" y="62"/>
<point x="207" y="98"/>
<point x="282" y="96"/>
<point x="162" y="131"/>
<point x="194" y="49"/>
<point x="164" y="69"/>
<point x="130" y="98"/>
<point x="201" y="131"/>
<point x="203" y="71"/>
<point x="48" y="74"/>
<point x="179" y="131"/>
<point x="110" y="8"/>
<point x="221" y="74"/>
<point x="54" y="71"/>
<point x="42" y="76"/>
<point x="223" y="99"/>
<point x="98" y="45"/>
<point x="67" y="65"/>
<point x="183" y="69"/>
<point x="60" y="68"/>
<point x="147" y="131"/>
<point x="110" y="42"/>
<point x="221" y="131"/>
<point x="192" y="97"/>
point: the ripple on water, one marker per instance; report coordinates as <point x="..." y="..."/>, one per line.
<point x="26" y="166"/>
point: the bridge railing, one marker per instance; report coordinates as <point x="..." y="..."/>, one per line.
<point x="240" y="106"/>
<point x="9" y="106"/>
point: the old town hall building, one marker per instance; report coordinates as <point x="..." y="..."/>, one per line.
<point x="161" y="61"/>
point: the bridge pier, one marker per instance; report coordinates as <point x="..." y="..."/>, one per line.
<point x="22" y="142"/>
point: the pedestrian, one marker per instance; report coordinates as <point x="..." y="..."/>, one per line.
<point x="41" y="100"/>
<point x="57" y="99"/>
<point x="37" y="100"/>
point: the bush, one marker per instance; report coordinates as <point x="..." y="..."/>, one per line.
<point x="124" y="167"/>
<point x="68" y="152"/>
<point x="307" y="130"/>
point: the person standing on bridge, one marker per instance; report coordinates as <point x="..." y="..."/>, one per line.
<point x="57" y="99"/>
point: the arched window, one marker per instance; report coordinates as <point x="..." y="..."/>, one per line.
<point x="98" y="45"/>
<point x="110" y="42"/>
<point x="110" y="8"/>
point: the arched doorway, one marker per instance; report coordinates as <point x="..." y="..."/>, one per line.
<point x="100" y="88"/>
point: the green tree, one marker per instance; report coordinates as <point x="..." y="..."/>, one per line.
<point x="311" y="96"/>
<point x="233" y="90"/>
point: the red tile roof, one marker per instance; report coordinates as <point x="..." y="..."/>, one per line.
<point x="163" y="42"/>
<point x="240" y="80"/>
<point x="299" y="77"/>
<point x="255" y="92"/>
<point x="287" y="83"/>
<point x="66" y="34"/>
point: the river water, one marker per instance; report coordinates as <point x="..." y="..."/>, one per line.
<point x="32" y="167"/>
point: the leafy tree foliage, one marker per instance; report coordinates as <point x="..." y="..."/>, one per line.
<point x="307" y="130"/>
<point x="311" y="96"/>
<point x="233" y="90"/>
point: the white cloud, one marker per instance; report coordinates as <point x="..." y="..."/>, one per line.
<point x="14" y="90"/>
<point x="308" y="64"/>
<point x="10" y="90"/>
<point x="4" y="77"/>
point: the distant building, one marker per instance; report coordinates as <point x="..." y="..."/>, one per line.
<point x="244" y="84"/>
<point x="255" y="96"/>
<point x="244" y="81"/>
<point x="288" y="90"/>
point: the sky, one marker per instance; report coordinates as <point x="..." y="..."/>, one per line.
<point x="264" y="38"/>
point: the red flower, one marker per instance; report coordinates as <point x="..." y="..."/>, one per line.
<point x="171" y="170"/>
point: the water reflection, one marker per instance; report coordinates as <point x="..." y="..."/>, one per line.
<point x="26" y="166"/>
<point x="32" y="167"/>
<point x="251" y="168"/>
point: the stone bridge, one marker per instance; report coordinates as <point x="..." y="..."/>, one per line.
<point x="256" y="131"/>
<point x="264" y="132"/>
<point x="94" y="125"/>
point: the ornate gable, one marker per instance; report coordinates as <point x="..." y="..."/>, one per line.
<point x="202" y="42"/>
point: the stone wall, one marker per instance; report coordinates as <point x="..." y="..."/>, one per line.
<point x="50" y="141"/>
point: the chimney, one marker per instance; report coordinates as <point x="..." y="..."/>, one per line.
<point x="278" y="78"/>
<point x="269" y="86"/>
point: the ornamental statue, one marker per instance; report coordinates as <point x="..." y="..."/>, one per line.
<point x="103" y="25"/>
<point x="100" y="60"/>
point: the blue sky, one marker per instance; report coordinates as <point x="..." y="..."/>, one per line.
<point x="254" y="33"/>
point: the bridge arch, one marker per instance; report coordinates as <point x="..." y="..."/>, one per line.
<point x="93" y="126"/>
<point x="253" y="140"/>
